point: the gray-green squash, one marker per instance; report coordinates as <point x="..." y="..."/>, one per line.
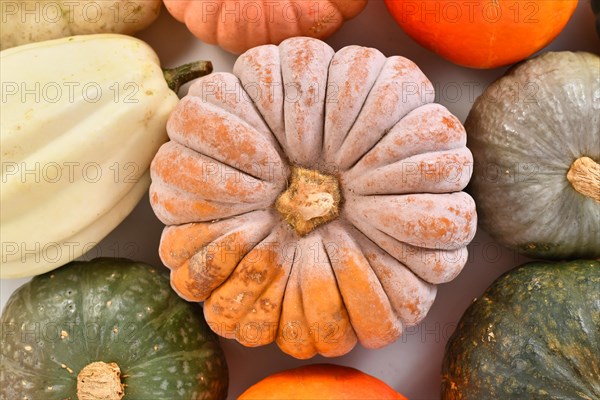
<point x="62" y="332"/>
<point x="533" y="334"/>
<point x="535" y="139"/>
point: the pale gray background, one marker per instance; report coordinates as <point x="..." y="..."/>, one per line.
<point x="412" y="364"/>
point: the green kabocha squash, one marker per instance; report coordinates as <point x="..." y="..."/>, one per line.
<point x="107" y="329"/>
<point x="535" y="139"/>
<point x="534" y="334"/>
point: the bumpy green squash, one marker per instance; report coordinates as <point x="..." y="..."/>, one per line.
<point x="534" y="334"/>
<point x="62" y="332"/>
<point x="535" y="139"/>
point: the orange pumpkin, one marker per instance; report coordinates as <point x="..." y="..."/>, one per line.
<point x="313" y="198"/>
<point x="238" y="25"/>
<point x="321" y="382"/>
<point x="483" y="33"/>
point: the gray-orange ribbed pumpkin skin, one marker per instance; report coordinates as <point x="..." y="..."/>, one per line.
<point x="535" y="137"/>
<point x="319" y="206"/>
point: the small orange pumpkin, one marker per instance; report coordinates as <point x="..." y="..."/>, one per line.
<point x="483" y="33"/>
<point x="313" y="198"/>
<point x="321" y="382"/>
<point x="238" y="25"/>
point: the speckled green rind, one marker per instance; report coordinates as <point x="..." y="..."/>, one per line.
<point x="533" y="334"/>
<point x="525" y="132"/>
<point x="113" y="311"/>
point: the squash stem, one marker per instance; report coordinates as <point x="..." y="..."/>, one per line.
<point x="100" y="381"/>
<point x="178" y="76"/>
<point x="311" y="199"/>
<point x="584" y="176"/>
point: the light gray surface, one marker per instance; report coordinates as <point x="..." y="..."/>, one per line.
<point x="412" y="364"/>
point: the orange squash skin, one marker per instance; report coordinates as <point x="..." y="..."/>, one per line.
<point x="238" y="25"/>
<point x="321" y="381"/>
<point x="482" y="33"/>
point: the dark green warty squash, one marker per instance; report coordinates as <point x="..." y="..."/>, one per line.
<point x="533" y="334"/>
<point x="535" y="139"/>
<point x="107" y="329"/>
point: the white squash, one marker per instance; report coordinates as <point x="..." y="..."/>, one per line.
<point x="81" y="119"/>
<point x="27" y="21"/>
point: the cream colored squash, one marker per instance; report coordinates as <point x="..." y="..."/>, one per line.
<point x="81" y="119"/>
<point x="30" y="21"/>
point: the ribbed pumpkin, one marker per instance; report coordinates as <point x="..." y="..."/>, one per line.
<point x="534" y="334"/>
<point x="313" y="198"/>
<point x="535" y="137"/>
<point x="107" y="329"/>
<point x="321" y="382"/>
<point x="238" y="25"/>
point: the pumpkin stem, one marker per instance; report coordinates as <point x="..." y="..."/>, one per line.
<point x="311" y="199"/>
<point x="100" y="381"/>
<point x="178" y="76"/>
<point x="584" y="176"/>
